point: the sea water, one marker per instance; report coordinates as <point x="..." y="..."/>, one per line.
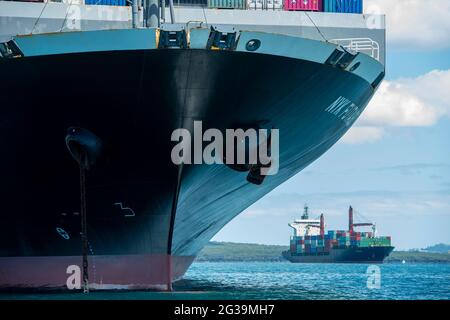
<point x="283" y="280"/>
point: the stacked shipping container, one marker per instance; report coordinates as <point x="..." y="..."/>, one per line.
<point x="255" y="4"/>
<point x="265" y="4"/>
<point x="336" y="239"/>
<point x="303" y="5"/>
<point x="106" y="2"/>
<point x="345" y="6"/>
<point x="227" y="4"/>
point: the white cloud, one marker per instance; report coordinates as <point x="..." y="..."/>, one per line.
<point x="417" y="101"/>
<point x="415" y="23"/>
<point x="412" y="102"/>
<point x="361" y="134"/>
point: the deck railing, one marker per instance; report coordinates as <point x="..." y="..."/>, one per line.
<point x="363" y="45"/>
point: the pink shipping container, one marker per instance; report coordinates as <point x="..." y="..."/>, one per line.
<point x="303" y="5"/>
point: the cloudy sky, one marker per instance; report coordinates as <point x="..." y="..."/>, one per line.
<point x="393" y="166"/>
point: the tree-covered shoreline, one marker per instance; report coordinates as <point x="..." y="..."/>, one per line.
<point x="246" y="252"/>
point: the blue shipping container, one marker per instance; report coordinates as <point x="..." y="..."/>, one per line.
<point x="344" y="6"/>
<point x="106" y="2"/>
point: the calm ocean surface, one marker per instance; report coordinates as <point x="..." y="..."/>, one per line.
<point x="271" y="280"/>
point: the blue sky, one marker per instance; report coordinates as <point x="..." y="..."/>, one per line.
<point x="394" y="165"/>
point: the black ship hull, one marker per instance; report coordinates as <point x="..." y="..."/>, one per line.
<point x="133" y="100"/>
<point x="374" y="255"/>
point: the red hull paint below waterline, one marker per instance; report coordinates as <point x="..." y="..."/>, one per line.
<point x="105" y="272"/>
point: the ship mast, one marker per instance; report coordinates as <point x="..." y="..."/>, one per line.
<point x="322" y="225"/>
<point x="134" y="14"/>
<point x="350" y="219"/>
<point x="305" y="215"/>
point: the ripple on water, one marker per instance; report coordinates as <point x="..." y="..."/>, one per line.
<point x="261" y="280"/>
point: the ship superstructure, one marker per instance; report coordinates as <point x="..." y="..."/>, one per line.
<point x="305" y="226"/>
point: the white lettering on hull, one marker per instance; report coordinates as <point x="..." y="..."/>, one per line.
<point x="344" y="110"/>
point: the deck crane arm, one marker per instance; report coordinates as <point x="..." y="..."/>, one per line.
<point x="363" y="224"/>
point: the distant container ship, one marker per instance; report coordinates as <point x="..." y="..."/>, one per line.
<point x="310" y="244"/>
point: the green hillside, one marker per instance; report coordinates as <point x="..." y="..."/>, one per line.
<point x="415" y="256"/>
<point x="438" y="248"/>
<point x="227" y="251"/>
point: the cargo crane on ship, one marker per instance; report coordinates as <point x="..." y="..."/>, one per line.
<point x="352" y="225"/>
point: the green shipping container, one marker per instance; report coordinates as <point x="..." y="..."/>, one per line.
<point x="363" y="244"/>
<point x="227" y="4"/>
<point x="380" y="242"/>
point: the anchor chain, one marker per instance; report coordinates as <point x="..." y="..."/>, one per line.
<point x="84" y="237"/>
<point x="85" y="148"/>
